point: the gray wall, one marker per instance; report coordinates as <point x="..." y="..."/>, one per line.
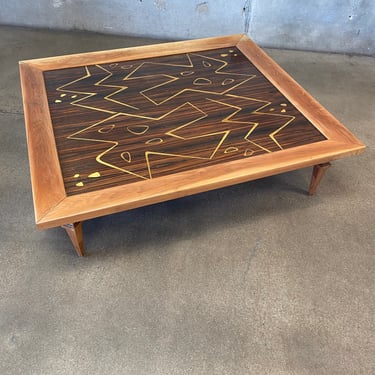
<point x="323" y="25"/>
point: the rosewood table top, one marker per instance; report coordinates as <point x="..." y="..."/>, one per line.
<point x="114" y="130"/>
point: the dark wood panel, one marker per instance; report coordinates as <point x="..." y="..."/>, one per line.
<point x="125" y="122"/>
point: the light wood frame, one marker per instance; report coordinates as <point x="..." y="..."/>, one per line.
<point x="54" y="208"/>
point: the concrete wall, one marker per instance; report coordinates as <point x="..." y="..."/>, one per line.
<point x="170" y="19"/>
<point x="323" y="25"/>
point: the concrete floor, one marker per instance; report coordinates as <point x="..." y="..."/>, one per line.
<point x="257" y="278"/>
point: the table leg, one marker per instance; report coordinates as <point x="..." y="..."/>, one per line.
<point x="74" y="231"/>
<point x="317" y="175"/>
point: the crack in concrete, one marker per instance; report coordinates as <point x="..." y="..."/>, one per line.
<point x="246" y="13"/>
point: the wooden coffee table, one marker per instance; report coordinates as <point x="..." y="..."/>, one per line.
<point x="115" y="130"/>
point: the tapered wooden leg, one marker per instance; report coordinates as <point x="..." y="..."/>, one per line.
<point x="75" y="234"/>
<point x="317" y="175"/>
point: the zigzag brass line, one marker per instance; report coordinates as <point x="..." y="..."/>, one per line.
<point x="224" y="132"/>
<point x="122" y="88"/>
<point x="238" y="109"/>
<point x="273" y="134"/>
<point x="170" y="133"/>
<point x="128" y="77"/>
<point x="204" y="115"/>
<point x="193" y="90"/>
<point x="150" y="75"/>
<point x="89" y="94"/>
<point x="191" y="65"/>
<point x="114" y="144"/>
<point x="99" y="83"/>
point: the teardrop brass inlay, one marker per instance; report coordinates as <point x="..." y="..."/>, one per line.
<point x="154" y="141"/>
<point x="106" y="129"/>
<point x="126" y="66"/>
<point x="94" y="175"/>
<point x="126" y="156"/>
<point x="138" y="129"/>
<point x="202" y="82"/>
<point x="227" y="81"/>
<point x="230" y="149"/>
<point x="248" y="152"/>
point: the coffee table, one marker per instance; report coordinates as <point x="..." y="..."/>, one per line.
<point x="114" y="130"/>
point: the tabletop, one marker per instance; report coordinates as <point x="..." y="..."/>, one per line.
<point x="114" y="130"/>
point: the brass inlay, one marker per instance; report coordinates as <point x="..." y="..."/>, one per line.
<point x="154" y="141"/>
<point x="230" y="149"/>
<point x="106" y="129"/>
<point x="227" y="81"/>
<point x="94" y="175"/>
<point x="126" y="156"/>
<point x="202" y="81"/>
<point x="176" y="72"/>
<point x="248" y="152"/>
<point x="138" y="129"/>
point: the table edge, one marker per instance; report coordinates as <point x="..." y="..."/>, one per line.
<point x="121" y="198"/>
<point x="133" y="53"/>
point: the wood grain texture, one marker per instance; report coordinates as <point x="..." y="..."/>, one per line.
<point x="118" y="123"/>
<point x="74" y="231"/>
<point x="91" y="121"/>
<point x="323" y="120"/>
<point x="133" y="53"/>
<point x="46" y="177"/>
<point x="121" y="198"/>
<point x="317" y="175"/>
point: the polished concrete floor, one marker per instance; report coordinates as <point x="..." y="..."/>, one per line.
<point x="257" y="278"/>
